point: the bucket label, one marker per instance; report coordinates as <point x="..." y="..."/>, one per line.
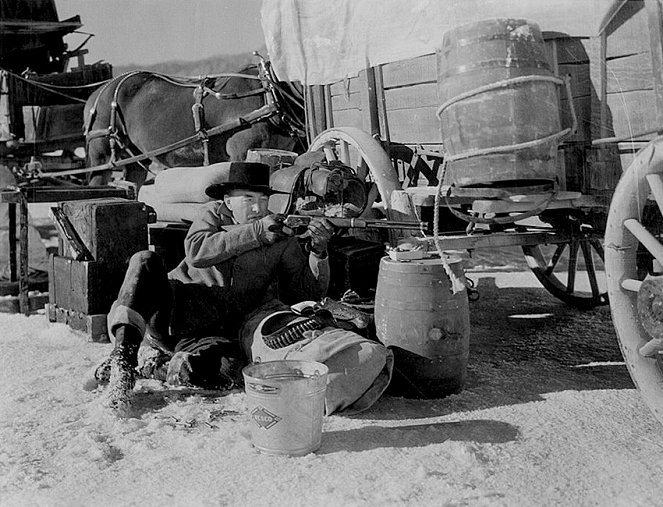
<point x="264" y="418"/>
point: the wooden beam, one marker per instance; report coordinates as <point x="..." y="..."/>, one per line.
<point x="369" y="104"/>
<point x="655" y="21"/>
<point x="315" y="107"/>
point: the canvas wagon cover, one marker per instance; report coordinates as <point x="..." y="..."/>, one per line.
<point x="323" y="41"/>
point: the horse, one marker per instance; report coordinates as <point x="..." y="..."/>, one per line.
<point x="158" y="121"/>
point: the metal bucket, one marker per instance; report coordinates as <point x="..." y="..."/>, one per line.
<point x="425" y="324"/>
<point x="499" y="113"/>
<point x="286" y="402"/>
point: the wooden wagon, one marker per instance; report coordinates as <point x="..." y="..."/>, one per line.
<point x="41" y="97"/>
<point x="372" y="73"/>
<point x="43" y="88"/>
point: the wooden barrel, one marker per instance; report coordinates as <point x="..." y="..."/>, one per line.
<point x="497" y="92"/>
<point x="425" y="324"/>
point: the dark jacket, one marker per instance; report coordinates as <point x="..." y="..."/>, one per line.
<point x="221" y="253"/>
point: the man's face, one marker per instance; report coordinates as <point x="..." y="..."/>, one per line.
<point x="246" y="205"/>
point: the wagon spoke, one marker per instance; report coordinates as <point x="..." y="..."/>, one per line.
<point x="363" y="170"/>
<point x="631" y="285"/>
<point x="573" y="261"/>
<point x="645" y="238"/>
<point x="656" y="186"/>
<point x="555" y="258"/>
<point x="344" y="151"/>
<point x="330" y="154"/>
<point x="598" y="246"/>
<point x="589" y="267"/>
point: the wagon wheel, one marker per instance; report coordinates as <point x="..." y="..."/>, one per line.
<point x="358" y="150"/>
<point x="572" y="271"/>
<point x="630" y="233"/>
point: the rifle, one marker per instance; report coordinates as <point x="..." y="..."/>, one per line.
<point x="299" y="223"/>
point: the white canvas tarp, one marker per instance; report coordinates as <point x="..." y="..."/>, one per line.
<point x="323" y="41"/>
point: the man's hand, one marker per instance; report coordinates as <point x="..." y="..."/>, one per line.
<point x="320" y="230"/>
<point x="270" y="229"/>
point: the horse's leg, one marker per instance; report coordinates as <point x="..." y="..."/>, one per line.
<point x="136" y="174"/>
<point x="98" y="153"/>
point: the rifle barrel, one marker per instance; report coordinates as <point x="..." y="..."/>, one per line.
<point x="361" y="223"/>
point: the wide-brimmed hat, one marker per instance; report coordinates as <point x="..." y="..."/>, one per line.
<point x="252" y="176"/>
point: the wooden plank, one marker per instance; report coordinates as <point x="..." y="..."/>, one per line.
<point x="414" y="126"/>
<point x="348" y="118"/>
<point x="525" y="203"/>
<point x="317" y="118"/>
<point x="345" y="86"/>
<point x="583" y="111"/>
<point x="581" y="84"/>
<point x="342" y="102"/>
<point x="59" y="194"/>
<point x="382" y="108"/>
<point x="655" y="23"/>
<point x="628" y="32"/>
<point x="329" y="111"/>
<point x="369" y="102"/>
<point x="572" y="49"/>
<point x="604" y="130"/>
<point x="630" y="112"/>
<point x="408" y="72"/>
<point x="633" y="72"/>
<point x="603" y="170"/>
<point x="11" y="304"/>
<point x="412" y="97"/>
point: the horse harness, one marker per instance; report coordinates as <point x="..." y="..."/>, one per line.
<point x="276" y="111"/>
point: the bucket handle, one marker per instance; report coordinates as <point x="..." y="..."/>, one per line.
<point x="557" y="136"/>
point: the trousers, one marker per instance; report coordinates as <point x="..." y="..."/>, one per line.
<point x="188" y="318"/>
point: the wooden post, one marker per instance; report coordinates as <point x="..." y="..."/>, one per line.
<point x="655" y="22"/>
<point x="605" y="129"/>
<point x="381" y="105"/>
<point x="13" y="271"/>
<point x="23" y="282"/>
<point x="369" y="102"/>
<point x="315" y="105"/>
<point x="329" y="109"/>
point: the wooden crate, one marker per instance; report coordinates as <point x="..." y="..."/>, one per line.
<point x="354" y="264"/>
<point x="113" y="229"/>
<point x="81" y="292"/>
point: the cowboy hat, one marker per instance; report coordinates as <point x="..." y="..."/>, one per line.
<point x="252" y="176"/>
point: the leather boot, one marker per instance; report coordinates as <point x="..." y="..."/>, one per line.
<point x="123" y="362"/>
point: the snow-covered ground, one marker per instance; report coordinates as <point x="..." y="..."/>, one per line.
<point x="549" y="416"/>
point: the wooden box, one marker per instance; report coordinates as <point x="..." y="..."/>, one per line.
<point x="354" y="264"/>
<point x="112" y="229"/>
<point x="82" y="286"/>
<point x="81" y="292"/>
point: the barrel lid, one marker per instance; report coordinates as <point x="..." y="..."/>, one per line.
<point x="492" y="29"/>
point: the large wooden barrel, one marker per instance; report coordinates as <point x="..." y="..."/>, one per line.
<point x="425" y="324"/>
<point x="497" y="92"/>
